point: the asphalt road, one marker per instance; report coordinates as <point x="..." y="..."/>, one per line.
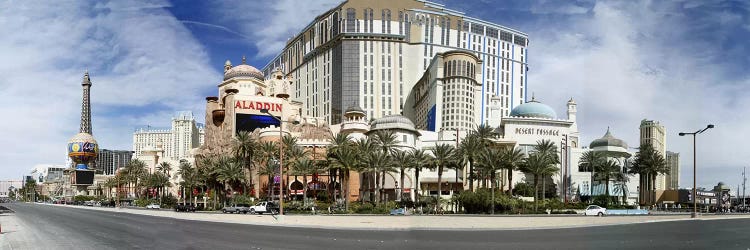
<point x="72" y="228"/>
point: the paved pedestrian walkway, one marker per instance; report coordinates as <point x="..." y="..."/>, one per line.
<point x="432" y="222"/>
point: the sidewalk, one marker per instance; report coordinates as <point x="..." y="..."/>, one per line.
<point x="431" y="222"/>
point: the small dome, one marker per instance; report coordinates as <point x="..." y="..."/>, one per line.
<point x="354" y="110"/>
<point x="608" y="141"/>
<point x="392" y="122"/>
<point x="83" y="137"/>
<point x="243" y="71"/>
<point x="534" y="109"/>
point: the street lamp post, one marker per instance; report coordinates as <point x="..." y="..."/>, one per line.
<point x="695" y="197"/>
<point x="281" y="160"/>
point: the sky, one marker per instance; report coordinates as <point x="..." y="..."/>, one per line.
<point x="683" y="63"/>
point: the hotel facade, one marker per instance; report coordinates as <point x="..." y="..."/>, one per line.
<point x="371" y="53"/>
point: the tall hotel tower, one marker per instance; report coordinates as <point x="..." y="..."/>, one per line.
<point x="371" y="53"/>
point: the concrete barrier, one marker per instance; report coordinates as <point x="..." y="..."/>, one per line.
<point x="627" y="211"/>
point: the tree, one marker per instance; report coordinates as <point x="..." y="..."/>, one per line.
<point x="345" y="159"/>
<point x="365" y="146"/>
<point x="244" y="146"/>
<point x="470" y="148"/>
<point x="164" y="167"/>
<point x="648" y="164"/>
<point x="230" y="172"/>
<point x="537" y="164"/>
<point x="304" y="167"/>
<point x="420" y="159"/>
<point x="548" y="150"/>
<point x="188" y="175"/>
<point x="491" y="161"/>
<point x="336" y="142"/>
<point x="590" y="161"/>
<point x="387" y="141"/>
<point x="403" y="161"/>
<point x="512" y="159"/>
<point x="443" y="154"/>
<point x="606" y="172"/>
<point x="135" y="170"/>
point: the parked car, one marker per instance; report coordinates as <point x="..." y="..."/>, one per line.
<point x="399" y="211"/>
<point x="153" y="206"/>
<point x="89" y="203"/>
<point x="184" y="208"/>
<point x="595" y="210"/>
<point x="236" y="208"/>
<point x="264" y="207"/>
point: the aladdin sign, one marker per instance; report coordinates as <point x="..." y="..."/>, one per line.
<point x="271" y="107"/>
<point x="537" y="131"/>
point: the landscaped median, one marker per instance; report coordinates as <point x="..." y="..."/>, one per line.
<point x="382" y="222"/>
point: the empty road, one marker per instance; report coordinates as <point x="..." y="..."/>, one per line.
<point x="54" y="227"/>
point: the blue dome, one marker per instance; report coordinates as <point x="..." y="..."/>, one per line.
<point x="533" y="109"/>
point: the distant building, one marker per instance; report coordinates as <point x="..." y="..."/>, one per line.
<point x="184" y="135"/>
<point x="673" y="178"/>
<point x="655" y="134"/>
<point x="7" y="186"/>
<point x="110" y="160"/>
<point x="42" y="173"/>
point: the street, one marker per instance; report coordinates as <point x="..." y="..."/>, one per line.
<point x="55" y="227"/>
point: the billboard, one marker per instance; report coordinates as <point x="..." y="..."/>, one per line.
<point x="82" y="177"/>
<point x="249" y="122"/>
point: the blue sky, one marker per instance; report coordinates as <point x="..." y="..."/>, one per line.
<point x="683" y="63"/>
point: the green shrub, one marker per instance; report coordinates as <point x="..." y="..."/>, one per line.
<point x="523" y="189"/>
<point x="83" y="198"/>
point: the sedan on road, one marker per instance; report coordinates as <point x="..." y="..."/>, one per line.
<point x="153" y="206"/>
<point x="595" y="210"/>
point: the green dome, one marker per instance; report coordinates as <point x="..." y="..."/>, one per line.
<point x="533" y="109"/>
<point x="608" y="141"/>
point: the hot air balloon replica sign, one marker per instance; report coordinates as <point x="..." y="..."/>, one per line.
<point x="83" y="150"/>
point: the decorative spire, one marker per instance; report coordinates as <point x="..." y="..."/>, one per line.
<point x="533" y="97"/>
<point x="86" y="105"/>
<point x="243" y="60"/>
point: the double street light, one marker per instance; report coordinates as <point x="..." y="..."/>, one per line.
<point x="281" y="160"/>
<point x="695" y="198"/>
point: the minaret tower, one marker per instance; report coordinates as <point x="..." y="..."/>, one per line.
<point x="86" y="105"/>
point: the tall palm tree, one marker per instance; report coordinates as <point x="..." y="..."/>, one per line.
<point x="304" y="167"/>
<point x="230" y="172"/>
<point x="491" y="160"/>
<point x="402" y="160"/>
<point x="379" y="162"/>
<point x="164" y="167"/>
<point x="512" y="159"/>
<point x="136" y="169"/>
<point x="187" y="173"/>
<point x="549" y="151"/>
<point x="590" y="161"/>
<point x="537" y="165"/>
<point x="470" y="148"/>
<point x="336" y="141"/>
<point x="606" y="172"/>
<point x="385" y="139"/>
<point x="648" y="164"/>
<point x="443" y="154"/>
<point x="420" y="160"/>
<point x="244" y="146"/>
<point x="345" y="159"/>
<point x="365" y="146"/>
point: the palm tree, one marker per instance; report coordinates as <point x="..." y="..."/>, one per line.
<point x="649" y="163"/>
<point x="512" y="159"/>
<point x="230" y="172"/>
<point x="266" y="154"/>
<point x="379" y="162"/>
<point x="606" y="172"/>
<point x="420" y="159"/>
<point x="491" y="160"/>
<point x="164" y="167"/>
<point x="403" y="161"/>
<point x="345" y="159"/>
<point x="136" y="169"/>
<point x="470" y="148"/>
<point x="244" y="146"/>
<point x="336" y="141"/>
<point x="365" y="146"/>
<point x="187" y="173"/>
<point x="590" y="161"/>
<point x="548" y="149"/>
<point x="304" y="167"/>
<point x="443" y="157"/>
<point x="387" y="141"/>
<point x="538" y="165"/>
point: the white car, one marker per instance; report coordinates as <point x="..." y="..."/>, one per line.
<point x="595" y="210"/>
<point x="153" y="206"/>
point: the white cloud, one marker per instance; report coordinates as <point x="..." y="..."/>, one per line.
<point x="139" y="56"/>
<point x="629" y="61"/>
<point x="275" y="24"/>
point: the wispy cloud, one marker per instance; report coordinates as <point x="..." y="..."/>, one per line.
<point x="271" y="28"/>
<point x="138" y="55"/>
<point x="647" y="60"/>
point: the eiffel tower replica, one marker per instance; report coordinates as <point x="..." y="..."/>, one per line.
<point x="83" y="148"/>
